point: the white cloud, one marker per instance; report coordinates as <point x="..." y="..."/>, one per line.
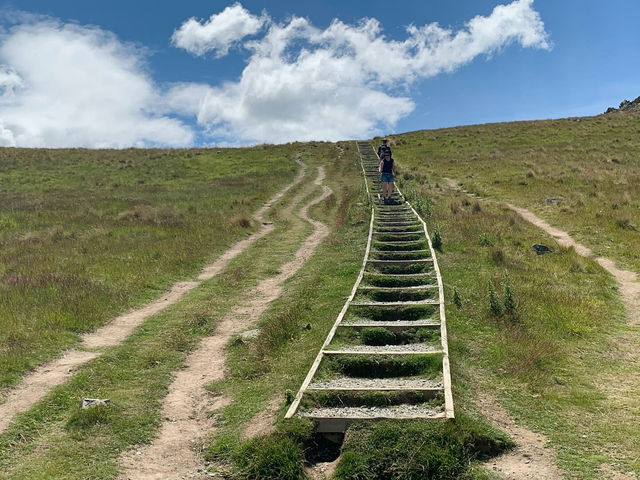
<point x="218" y="33"/>
<point x="68" y="85"/>
<point x="303" y="83"/>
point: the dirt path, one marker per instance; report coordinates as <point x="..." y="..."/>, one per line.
<point x="627" y="281"/>
<point x="515" y="465"/>
<point x="38" y="383"/>
<point x="188" y="407"/>
<point x="530" y="459"/>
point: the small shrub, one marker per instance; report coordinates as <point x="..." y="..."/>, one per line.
<point x="476" y="207"/>
<point x="83" y="419"/>
<point x="494" y="302"/>
<point x="377" y="336"/>
<point x="288" y="396"/>
<point x="456" y="298"/>
<point x="497" y="255"/>
<point x="484" y="240"/>
<point x="437" y="240"/>
<point x="243" y="222"/>
<point x="625" y="224"/>
<point x="424" y="207"/>
<point x="510" y="303"/>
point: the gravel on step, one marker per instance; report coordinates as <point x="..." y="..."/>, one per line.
<point x="410" y="347"/>
<point x="395" y="411"/>
<point x="379" y="383"/>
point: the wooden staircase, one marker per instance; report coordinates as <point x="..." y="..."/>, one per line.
<point x="386" y="355"/>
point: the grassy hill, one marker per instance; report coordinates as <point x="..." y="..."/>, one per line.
<point x="564" y="364"/>
<point x="579" y="173"/>
<point x="89" y="234"/>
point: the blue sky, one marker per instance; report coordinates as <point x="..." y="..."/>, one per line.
<point x="137" y="73"/>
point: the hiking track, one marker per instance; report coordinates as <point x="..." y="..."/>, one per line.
<point x="399" y="297"/>
<point x="188" y="408"/>
<point x="35" y="385"/>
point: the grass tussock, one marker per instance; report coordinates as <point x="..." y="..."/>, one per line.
<point x="413" y="450"/>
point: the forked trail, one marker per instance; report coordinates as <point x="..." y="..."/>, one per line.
<point x="187" y="408"/>
<point x="38" y="383"/>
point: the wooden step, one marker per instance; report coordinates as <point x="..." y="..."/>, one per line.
<point x="399" y="262"/>
<point x="381" y="352"/>
<point x="391" y="325"/>
<point x="396" y="233"/>
<point x="406" y="303"/>
<point x="400" y="275"/>
<point x="396" y="289"/>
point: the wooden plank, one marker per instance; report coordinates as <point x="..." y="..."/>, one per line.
<point x="410" y="232"/>
<point x="391" y="324"/>
<point x="401" y="275"/>
<point x="399" y="252"/>
<point x="396" y="304"/>
<point x="395" y="289"/>
<point x="399" y="261"/>
<point x="381" y="352"/>
<point x="375" y="389"/>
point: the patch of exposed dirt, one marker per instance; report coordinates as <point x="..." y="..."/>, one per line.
<point x="618" y="387"/>
<point x="188" y="408"/>
<point x="322" y="470"/>
<point x="263" y="422"/>
<point x="530" y="459"/>
<point x="35" y="385"/>
<point x="607" y="471"/>
<point x="627" y="281"/>
<point x="38" y="383"/>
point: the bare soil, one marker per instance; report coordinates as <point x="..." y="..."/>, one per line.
<point x="515" y="465"/>
<point x="530" y="459"/>
<point x="38" y="383"/>
<point x="627" y="281"/>
<point x="189" y="410"/>
<point x="263" y="423"/>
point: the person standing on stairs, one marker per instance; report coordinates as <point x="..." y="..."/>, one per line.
<point x="387" y="169"/>
<point x="383" y="149"/>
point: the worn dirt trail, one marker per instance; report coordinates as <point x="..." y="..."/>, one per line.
<point x="530" y="459"/>
<point x="627" y="281"/>
<point x="188" y="407"/>
<point x="515" y="465"/>
<point x="38" y="383"/>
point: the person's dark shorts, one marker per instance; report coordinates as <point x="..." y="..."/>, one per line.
<point x="386" y="178"/>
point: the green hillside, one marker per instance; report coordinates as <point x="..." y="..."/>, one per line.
<point x="87" y="235"/>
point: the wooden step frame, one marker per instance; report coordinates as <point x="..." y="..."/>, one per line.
<point x="338" y="424"/>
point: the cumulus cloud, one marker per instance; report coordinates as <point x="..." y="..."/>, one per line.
<point x="69" y="85"/>
<point x="219" y="33"/>
<point x="304" y="83"/>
